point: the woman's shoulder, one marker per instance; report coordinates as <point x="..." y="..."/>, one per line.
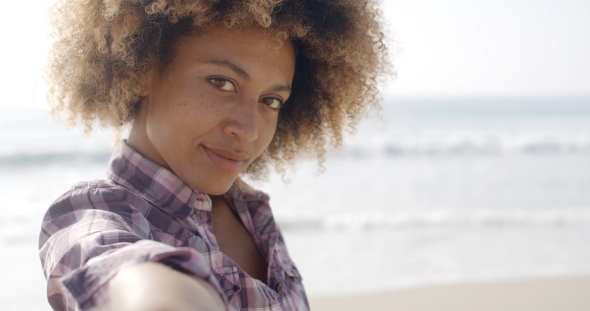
<point x="102" y="194"/>
<point x="94" y="204"/>
<point x="95" y="186"/>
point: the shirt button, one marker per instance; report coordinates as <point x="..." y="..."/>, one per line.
<point x="280" y="288"/>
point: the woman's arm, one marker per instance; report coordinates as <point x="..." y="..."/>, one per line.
<point x="90" y="236"/>
<point x="151" y="286"/>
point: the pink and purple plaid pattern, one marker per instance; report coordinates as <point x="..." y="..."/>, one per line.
<point x="144" y="212"/>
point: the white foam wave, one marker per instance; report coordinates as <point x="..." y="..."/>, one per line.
<point x="61" y="149"/>
<point x="406" y="220"/>
<point x="33" y="158"/>
<point x="474" y="143"/>
<point x="389" y="144"/>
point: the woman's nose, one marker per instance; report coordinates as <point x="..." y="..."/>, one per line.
<point x="242" y="121"/>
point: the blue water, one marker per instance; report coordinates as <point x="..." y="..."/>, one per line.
<point x="440" y="191"/>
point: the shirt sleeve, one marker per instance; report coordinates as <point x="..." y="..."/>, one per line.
<point x="89" y="234"/>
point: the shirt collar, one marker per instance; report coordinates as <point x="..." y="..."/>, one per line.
<point x="156" y="184"/>
<point x="254" y="204"/>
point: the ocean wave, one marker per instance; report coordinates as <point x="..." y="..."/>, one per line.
<point x="405" y="220"/>
<point x="468" y="143"/>
<point x="390" y="144"/>
<point x="16" y="229"/>
<point x="42" y="158"/>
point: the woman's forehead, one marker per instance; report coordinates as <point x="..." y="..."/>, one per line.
<point x="237" y="42"/>
<point x="244" y="51"/>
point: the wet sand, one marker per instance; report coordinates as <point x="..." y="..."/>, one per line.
<point x="550" y="294"/>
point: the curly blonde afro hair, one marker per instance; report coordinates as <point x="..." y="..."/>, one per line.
<point x="104" y="49"/>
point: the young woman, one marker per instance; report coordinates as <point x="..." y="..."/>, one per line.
<point x="212" y="90"/>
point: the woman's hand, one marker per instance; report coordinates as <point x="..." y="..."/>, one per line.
<point x="152" y="286"/>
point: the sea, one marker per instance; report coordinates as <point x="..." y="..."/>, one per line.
<point x="428" y="191"/>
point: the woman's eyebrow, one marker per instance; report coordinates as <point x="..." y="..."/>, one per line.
<point x="282" y="88"/>
<point x="227" y="64"/>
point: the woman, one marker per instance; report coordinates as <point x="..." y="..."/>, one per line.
<point x="211" y="90"/>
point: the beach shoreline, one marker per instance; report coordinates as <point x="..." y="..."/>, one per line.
<point x="544" y="294"/>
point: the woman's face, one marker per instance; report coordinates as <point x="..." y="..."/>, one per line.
<point x="214" y="108"/>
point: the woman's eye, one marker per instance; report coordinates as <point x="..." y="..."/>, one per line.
<point x="272" y="102"/>
<point x="222" y="84"/>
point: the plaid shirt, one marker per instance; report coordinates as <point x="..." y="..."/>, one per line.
<point x="144" y="212"/>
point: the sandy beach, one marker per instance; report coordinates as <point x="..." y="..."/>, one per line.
<point x="551" y="294"/>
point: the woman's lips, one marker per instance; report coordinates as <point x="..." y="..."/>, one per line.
<point x="226" y="160"/>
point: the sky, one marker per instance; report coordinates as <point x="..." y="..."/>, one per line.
<point x="490" y="47"/>
<point x="440" y="48"/>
